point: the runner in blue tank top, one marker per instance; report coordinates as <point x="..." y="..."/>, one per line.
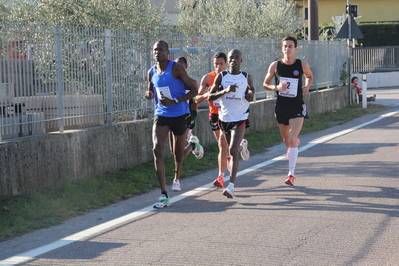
<point x="167" y="85"/>
<point x="290" y="109"/>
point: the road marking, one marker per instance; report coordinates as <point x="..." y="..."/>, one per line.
<point x="33" y="253"/>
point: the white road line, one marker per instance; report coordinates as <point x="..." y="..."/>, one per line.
<point x="33" y="253"/>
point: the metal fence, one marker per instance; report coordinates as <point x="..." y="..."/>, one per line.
<point x="375" y="59"/>
<point x="56" y="78"/>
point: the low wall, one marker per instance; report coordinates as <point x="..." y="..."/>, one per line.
<point x="79" y="110"/>
<point x="30" y="163"/>
<point x="379" y="80"/>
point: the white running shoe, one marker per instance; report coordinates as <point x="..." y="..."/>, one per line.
<point x="162" y="202"/>
<point x="176" y="185"/>
<point x="199" y="150"/>
<point x="229" y="191"/>
<point x="189" y="135"/>
<point x="193" y="139"/>
<point x="245" y="152"/>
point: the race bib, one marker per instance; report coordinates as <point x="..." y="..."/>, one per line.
<point x="163" y="92"/>
<point x="292" y="87"/>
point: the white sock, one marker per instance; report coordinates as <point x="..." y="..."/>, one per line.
<point x="231" y="185"/>
<point x="221" y="174"/>
<point x="292" y="161"/>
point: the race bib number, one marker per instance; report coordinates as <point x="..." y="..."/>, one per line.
<point x="163" y="92"/>
<point x="292" y="87"/>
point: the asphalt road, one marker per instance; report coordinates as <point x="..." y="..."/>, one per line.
<point x="343" y="210"/>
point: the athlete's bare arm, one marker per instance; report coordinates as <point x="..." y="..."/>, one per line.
<point x="214" y="95"/>
<point x="149" y="94"/>
<point x="251" y="90"/>
<point x="269" y="76"/>
<point x="282" y="86"/>
<point x="179" y="72"/>
<point x="308" y="77"/>
<point x="203" y="92"/>
<point x="194" y="105"/>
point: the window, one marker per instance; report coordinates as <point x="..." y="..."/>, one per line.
<point x="306" y="13"/>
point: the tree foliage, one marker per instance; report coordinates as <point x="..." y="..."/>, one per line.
<point x="238" y="18"/>
<point x="136" y="15"/>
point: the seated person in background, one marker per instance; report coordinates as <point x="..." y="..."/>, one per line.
<point x="354" y="81"/>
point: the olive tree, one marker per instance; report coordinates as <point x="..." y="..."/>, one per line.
<point x="136" y="15"/>
<point x="238" y="18"/>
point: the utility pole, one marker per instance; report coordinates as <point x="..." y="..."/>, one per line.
<point x="313" y="14"/>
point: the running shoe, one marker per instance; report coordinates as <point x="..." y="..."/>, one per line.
<point x="288" y="150"/>
<point x="162" y="202"/>
<point x="193" y="138"/>
<point x="229" y="192"/>
<point x="229" y="164"/>
<point x="189" y="135"/>
<point x="199" y="150"/>
<point x="290" y="180"/>
<point x="219" y="182"/>
<point x="245" y="152"/>
<point x="176" y="185"/>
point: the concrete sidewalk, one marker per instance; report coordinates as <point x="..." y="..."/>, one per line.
<point x="386" y="96"/>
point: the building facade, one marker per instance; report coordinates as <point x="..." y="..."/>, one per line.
<point x="366" y="11"/>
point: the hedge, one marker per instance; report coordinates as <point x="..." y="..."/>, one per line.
<point x="379" y="34"/>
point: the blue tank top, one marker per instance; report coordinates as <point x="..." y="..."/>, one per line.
<point x="166" y="83"/>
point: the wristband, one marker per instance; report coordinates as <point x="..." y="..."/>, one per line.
<point x="176" y="100"/>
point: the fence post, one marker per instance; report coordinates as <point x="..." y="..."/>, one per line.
<point x="273" y="53"/>
<point x="148" y="48"/>
<point x="252" y="57"/>
<point x="108" y="74"/>
<point x="149" y="52"/>
<point x="210" y="57"/>
<point x="60" y="83"/>
<point x="315" y="75"/>
<point x="364" y="90"/>
<point x="329" y="76"/>
<point x="180" y="53"/>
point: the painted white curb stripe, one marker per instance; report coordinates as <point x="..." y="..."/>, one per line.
<point x="31" y="254"/>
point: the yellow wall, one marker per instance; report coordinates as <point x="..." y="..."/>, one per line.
<point x="368" y="10"/>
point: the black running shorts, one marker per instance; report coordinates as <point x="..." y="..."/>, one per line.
<point x="214" y="121"/>
<point x="227" y="127"/>
<point x="284" y="114"/>
<point x="176" y="124"/>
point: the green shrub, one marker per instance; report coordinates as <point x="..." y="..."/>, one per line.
<point x="379" y="34"/>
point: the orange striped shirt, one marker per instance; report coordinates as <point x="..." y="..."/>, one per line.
<point x="212" y="108"/>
